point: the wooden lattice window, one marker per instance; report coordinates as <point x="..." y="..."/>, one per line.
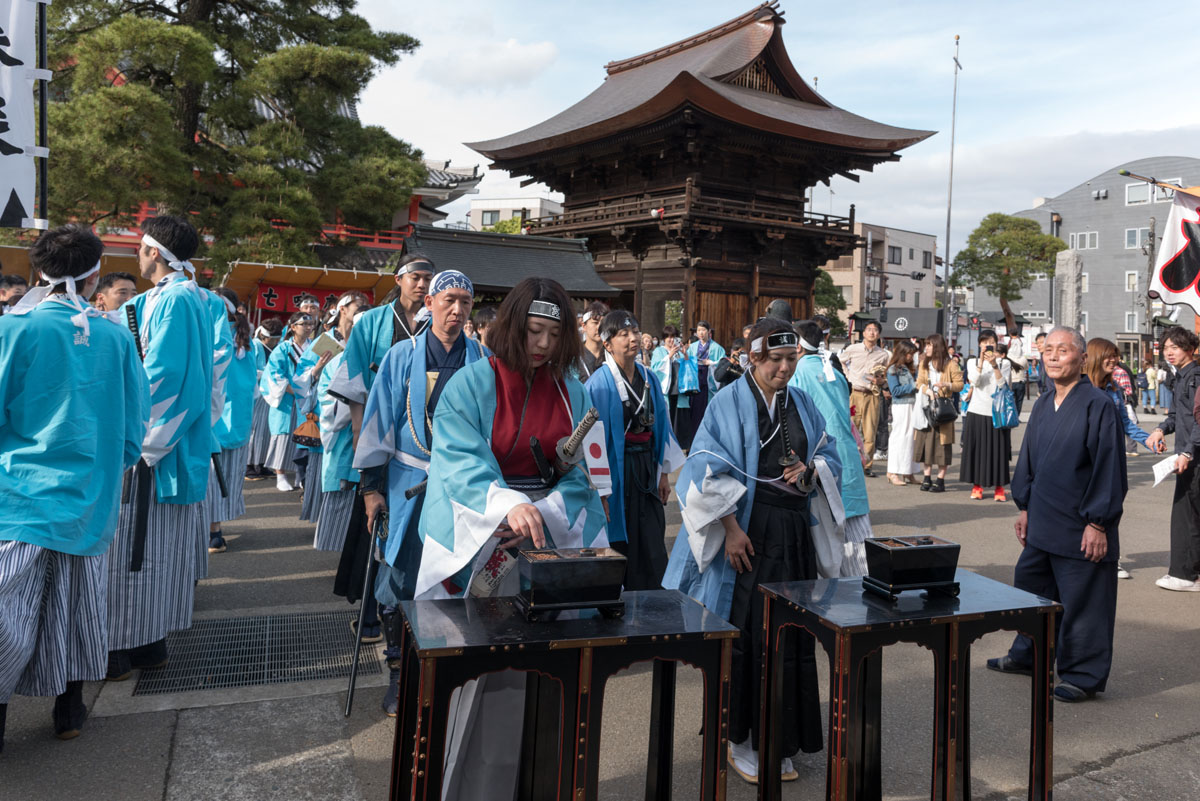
<point x="757" y="77"/>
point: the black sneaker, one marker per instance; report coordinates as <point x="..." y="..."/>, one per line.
<point x="119" y="667"/>
<point x="939" y="485"/>
<point x="216" y="543"/>
<point x="69" y="712"/>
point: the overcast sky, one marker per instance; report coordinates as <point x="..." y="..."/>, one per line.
<point x="1050" y="94"/>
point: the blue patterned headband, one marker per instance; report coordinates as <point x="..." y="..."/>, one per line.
<point x="450" y="279"/>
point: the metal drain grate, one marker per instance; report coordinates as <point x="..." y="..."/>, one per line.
<point x="248" y="651"/>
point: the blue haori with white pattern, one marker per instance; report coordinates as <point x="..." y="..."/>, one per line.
<point x="53" y="619"/>
<point x="467" y="496"/>
<point x="145" y="606"/>
<point x="369" y="342"/>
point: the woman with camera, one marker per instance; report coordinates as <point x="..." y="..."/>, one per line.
<point x="940" y="379"/>
<point x="986" y="449"/>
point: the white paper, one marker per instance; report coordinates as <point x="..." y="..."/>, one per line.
<point x="1164" y="468"/>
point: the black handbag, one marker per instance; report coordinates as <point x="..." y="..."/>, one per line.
<point x="943" y="410"/>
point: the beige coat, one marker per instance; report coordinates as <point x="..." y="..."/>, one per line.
<point x="953" y="372"/>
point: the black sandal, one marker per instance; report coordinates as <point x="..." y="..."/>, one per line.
<point x="940" y="486"/>
<point x="927" y="484"/>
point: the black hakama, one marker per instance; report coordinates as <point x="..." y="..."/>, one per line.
<point x="986" y="452"/>
<point x="645" y="520"/>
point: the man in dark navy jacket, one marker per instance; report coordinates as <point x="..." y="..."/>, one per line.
<point x="1070" y="486"/>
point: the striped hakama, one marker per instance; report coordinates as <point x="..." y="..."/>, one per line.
<point x="200" y="537"/>
<point x="858" y="529"/>
<point x="260" y="434"/>
<point x="145" y="606"/>
<point x="281" y="452"/>
<point x="334" y="520"/>
<point x="310" y="508"/>
<point x="233" y="466"/>
<point x="53" y="619"/>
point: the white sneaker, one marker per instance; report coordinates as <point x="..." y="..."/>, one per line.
<point x="282" y="484"/>
<point x="1169" y="582"/>
<point x="1122" y="573"/>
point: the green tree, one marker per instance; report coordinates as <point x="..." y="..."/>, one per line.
<point x="234" y="111"/>
<point x="510" y="226"/>
<point x="828" y="300"/>
<point x="1003" y="256"/>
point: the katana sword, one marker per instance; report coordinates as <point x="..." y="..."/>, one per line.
<point x="569" y="453"/>
<point x="142" y="472"/>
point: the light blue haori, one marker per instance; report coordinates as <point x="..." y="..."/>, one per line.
<point x="288" y="366"/>
<point x="387" y="436"/>
<point x="241" y="386"/>
<point x="73" y="414"/>
<point x="337" y="438"/>
<point x="608" y="391"/>
<point x="177" y="331"/>
<point x="832" y="399"/>
<point x="714" y="483"/>
<point x="370" y="340"/>
<point x="467" y="497"/>
<point x="688" y="375"/>
<point x="715" y="354"/>
<point x="218" y="308"/>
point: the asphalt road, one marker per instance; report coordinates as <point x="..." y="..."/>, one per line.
<point x="1141" y="739"/>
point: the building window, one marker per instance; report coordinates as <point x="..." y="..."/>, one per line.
<point x="1137" y="194"/>
<point x="1165" y="195"/>
<point x="1040" y="277"/>
<point x="490" y="217"/>
<point x="847" y="293"/>
<point x="926" y="260"/>
<point x="1136" y="237"/>
<point x="1084" y="240"/>
<point x="1083" y="323"/>
<point x="1131" y="280"/>
<point x="1083" y="282"/>
<point x="894" y="254"/>
<point x="901" y="295"/>
<point x="910" y="254"/>
<point x="916" y="299"/>
<point x="1130" y="321"/>
<point x="1034" y="315"/>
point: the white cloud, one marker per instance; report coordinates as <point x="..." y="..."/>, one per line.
<point x="489" y="66"/>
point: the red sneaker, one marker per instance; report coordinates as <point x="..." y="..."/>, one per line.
<point x="977" y="493"/>
<point x="999" y="496"/>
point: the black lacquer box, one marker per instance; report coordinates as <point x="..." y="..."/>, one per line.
<point x="921" y="562"/>
<point x="571" y="578"/>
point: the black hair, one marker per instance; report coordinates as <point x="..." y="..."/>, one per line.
<point x="484" y="316"/>
<point x="669" y="331"/>
<point x="704" y="323"/>
<point x="737" y="343"/>
<point x="821" y="320"/>
<point x="1041" y="335"/>
<point x="175" y="234"/>
<point x="987" y="333"/>
<point x="304" y="297"/>
<point x="241" y="323"/>
<point x="598" y="308"/>
<point x="9" y="281"/>
<point x="272" y="326"/>
<point x="875" y="323"/>
<point x="810" y="331"/>
<point x="507" y="339"/>
<point x="112" y="278"/>
<point x="69" y="250"/>
<point x="409" y="258"/>
<point x="615" y="321"/>
<point x="1182" y="338"/>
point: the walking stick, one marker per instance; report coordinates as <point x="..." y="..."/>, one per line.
<point x="378" y="531"/>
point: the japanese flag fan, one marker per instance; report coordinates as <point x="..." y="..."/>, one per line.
<point x="1177" y="269"/>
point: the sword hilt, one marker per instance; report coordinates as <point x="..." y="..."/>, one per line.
<point x="568" y="450"/>
<point x="132" y="321"/>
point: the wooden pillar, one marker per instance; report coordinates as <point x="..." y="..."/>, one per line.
<point x="637" y="290"/>
<point x="689" y="301"/>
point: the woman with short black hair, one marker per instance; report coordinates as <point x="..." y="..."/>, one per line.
<point x="987" y="450"/>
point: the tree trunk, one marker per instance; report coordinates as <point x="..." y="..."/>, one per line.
<point x="1009" y="324"/>
<point x="187" y="106"/>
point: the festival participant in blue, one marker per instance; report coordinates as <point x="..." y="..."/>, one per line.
<point x="74" y="402"/>
<point x="339" y="479"/>
<point x="232" y="429"/>
<point x="176" y="333"/>
<point x="1070" y="486"/>
<point x="380" y="329"/>
<point x="680" y="381"/>
<point x="830" y="393"/>
<point x="705" y="352"/>
<point x="746" y="521"/>
<point x="266" y="339"/>
<point x="219" y="309"/>
<point x="490" y="491"/>
<point x="287" y="381"/>
<point x="641" y="452"/>
<point x="396" y="442"/>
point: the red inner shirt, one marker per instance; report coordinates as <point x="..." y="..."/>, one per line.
<point x="546" y="417"/>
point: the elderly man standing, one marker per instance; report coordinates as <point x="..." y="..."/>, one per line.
<point x="1070" y="485"/>
<point x="865" y="364"/>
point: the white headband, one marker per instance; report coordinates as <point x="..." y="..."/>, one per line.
<point x="38" y="294"/>
<point x="810" y="348"/>
<point x="172" y="262"/>
<point x="261" y="331"/>
<point x="589" y="315"/>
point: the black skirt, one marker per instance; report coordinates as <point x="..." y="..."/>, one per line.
<point x="783" y="551"/>
<point x="645" y="521"/>
<point x="986" y="452"/>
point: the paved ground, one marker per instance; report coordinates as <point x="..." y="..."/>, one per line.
<point x="1140" y="740"/>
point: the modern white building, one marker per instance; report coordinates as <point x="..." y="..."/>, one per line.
<point x="486" y="212"/>
<point x="895" y="270"/>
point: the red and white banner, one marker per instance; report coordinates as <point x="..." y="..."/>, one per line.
<point x="18" y="72"/>
<point x="1178" y="265"/>
<point x="279" y="298"/>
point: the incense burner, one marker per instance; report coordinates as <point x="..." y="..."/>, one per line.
<point x="922" y="562"/>
<point x="571" y="578"/>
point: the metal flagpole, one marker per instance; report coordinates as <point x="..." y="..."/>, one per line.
<point x="946" y="306"/>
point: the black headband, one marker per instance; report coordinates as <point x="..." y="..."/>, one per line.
<point x="544" y="308"/>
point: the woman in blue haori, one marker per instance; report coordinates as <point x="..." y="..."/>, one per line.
<point x="705" y="352"/>
<point x="74" y="403"/>
<point x="266" y="339"/>
<point x="679" y="379"/>
<point x="640" y="452"/>
<point x="285" y="385"/>
<point x="339" y="479"/>
<point x="744" y="493"/>
<point x="490" y="491"/>
<point x="815" y="374"/>
<point x="232" y="429"/>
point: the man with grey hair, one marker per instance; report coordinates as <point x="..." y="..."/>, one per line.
<point x="1070" y="486"/>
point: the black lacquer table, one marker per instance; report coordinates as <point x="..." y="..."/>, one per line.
<point x="854" y="626"/>
<point x="569" y="659"/>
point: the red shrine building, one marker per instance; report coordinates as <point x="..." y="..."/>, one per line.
<point x="687" y="172"/>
